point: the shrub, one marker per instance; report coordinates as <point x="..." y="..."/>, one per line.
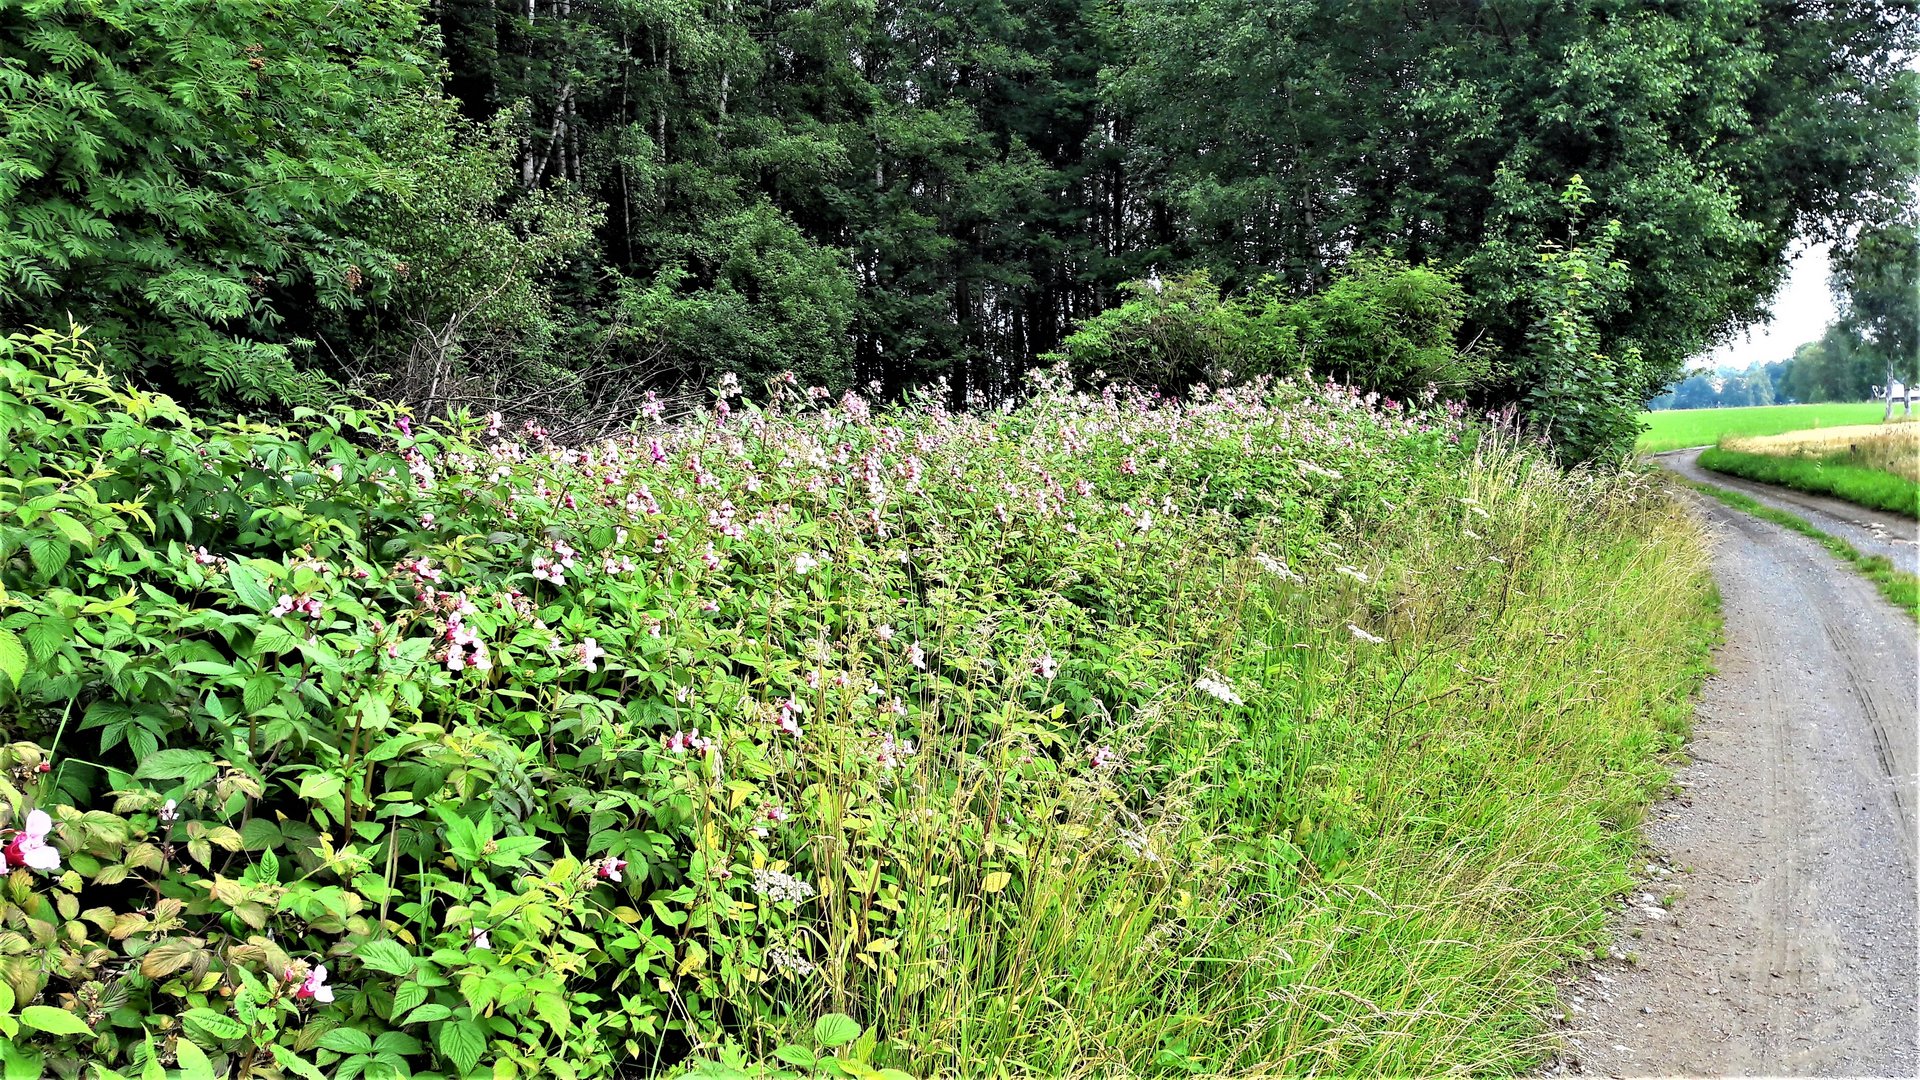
<point x="1178" y="333"/>
<point x="1388" y="327"/>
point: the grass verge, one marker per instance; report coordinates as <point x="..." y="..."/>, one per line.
<point x="1896" y="585"/>
<point x="1861" y="486"/>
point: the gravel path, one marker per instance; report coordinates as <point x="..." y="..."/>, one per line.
<point x="1789" y="857"/>
<point x="1874" y="532"/>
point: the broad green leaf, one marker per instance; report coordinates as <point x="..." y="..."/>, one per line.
<point x="405" y="998"/>
<point x="348" y="1040"/>
<point x="193" y="1061"/>
<point x="386" y="955"/>
<point x="462" y="1041"/>
<point x="53" y="1021"/>
<point x="171" y="764"/>
<point x="835" y="1029"/>
<point x="216" y="1024"/>
<point x="13" y="657"/>
<point x="247" y="587"/>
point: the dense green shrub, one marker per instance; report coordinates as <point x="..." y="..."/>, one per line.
<point x="1180" y="332"/>
<point x="1388" y="327"/>
<point x="1380" y="325"/>
<point x="398" y="700"/>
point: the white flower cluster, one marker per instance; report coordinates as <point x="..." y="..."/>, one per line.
<point x="779" y="887"/>
<point x="1217" y="689"/>
<point x="790" y="961"/>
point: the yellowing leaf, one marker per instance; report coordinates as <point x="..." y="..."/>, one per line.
<point x="696" y="956"/>
<point x="996" y="881"/>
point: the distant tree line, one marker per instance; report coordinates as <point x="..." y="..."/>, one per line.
<point x="1873" y="342"/>
<point x="565" y="201"/>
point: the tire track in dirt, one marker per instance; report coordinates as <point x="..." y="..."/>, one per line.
<point x="1790" y="946"/>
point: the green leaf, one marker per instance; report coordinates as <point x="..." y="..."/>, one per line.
<point x="247" y="587"/>
<point x="171" y="764"/>
<point x="795" y="1055"/>
<point x="193" y="1061"/>
<point x="53" y="1021"/>
<point x="462" y="1041"/>
<point x="215" y="1024"/>
<point x="74" y="531"/>
<point x="397" y="1042"/>
<point x="428" y="1013"/>
<point x="386" y="955"/>
<point x="49" y="554"/>
<point x="835" y="1029"/>
<point x="348" y="1040"/>
<point x="405" y="999"/>
<point x="295" y="1064"/>
<point x="13" y="657"/>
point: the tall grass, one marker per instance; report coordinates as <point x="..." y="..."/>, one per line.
<point x="1891" y="448"/>
<point x="1376" y="865"/>
<point x="1834" y="476"/>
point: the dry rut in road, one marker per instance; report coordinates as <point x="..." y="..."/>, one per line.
<point x="1789" y="948"/>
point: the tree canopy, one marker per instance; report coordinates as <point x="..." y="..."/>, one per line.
<point x="899" y="192"/>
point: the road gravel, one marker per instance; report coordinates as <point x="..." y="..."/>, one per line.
<point x="1775" y="934"/>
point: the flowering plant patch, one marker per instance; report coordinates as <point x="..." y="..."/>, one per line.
<point x="385" y="747"/>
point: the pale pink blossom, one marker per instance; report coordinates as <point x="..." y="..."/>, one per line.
<point x="589" y="652"/>
<point x="609" y="868"/>
<point x="29" y="847"/>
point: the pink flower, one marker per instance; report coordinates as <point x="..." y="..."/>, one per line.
<point x="480" y="939"/>
<point x="609" y="868"/>
<point x="884" y="632"/>
<point x="314" y="985"/>
<point x="590" y="653"/>
<point x="406" y="426"/>
<point x="29" y="847"/>
<point x="169" y="812"/>
<point x="1103" y="757"/>
<point x="1046" y="667"/>
<point x="680" y="742"/>
<point x="917" y="656"/>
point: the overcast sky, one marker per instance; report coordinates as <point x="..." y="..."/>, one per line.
<point x="1800" y="313"/>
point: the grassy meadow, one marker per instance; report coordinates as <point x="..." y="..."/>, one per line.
<point x="1277" y="731"/>
<point x="1675" y="429"/>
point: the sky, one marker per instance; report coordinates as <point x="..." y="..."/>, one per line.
<point x="1801" y="313"/>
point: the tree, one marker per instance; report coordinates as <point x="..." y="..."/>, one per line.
<point x="178" y="175"/>
<point x="1877" y="280"/>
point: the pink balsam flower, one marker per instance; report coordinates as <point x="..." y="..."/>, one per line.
<point x="314" y="985"/>
<point x="29" y="847"/>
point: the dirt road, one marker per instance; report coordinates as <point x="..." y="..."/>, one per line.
<point x="1789" y="858"/>
<point x="1874" y="532"/>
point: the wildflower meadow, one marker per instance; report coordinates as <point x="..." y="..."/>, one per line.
<point x="1278" y="728"/>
